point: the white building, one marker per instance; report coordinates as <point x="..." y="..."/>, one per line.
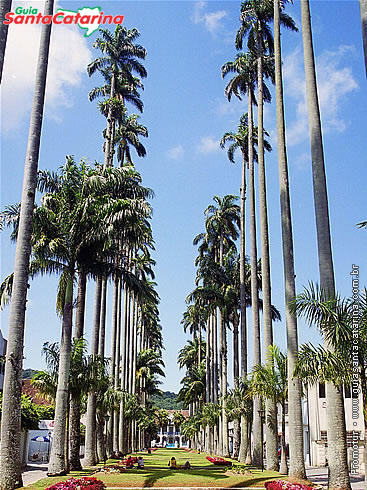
<point x="169" y="435"/>
<point x="314" y="410"/>
<point x="317" y="406"/>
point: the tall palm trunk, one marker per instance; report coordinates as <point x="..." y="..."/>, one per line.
<point x="295" y="421"/>
<point x="283" y="462"/>
<point x="236" y="368"/>
<point x="102" y="331"/>
<point x="108" y="147"/>
<point x="363" y="9"/>
<point x="74" y="424"/>
<point x="256" y="456"/>
<point x="80" y="305"/>
<point x="337" y="446"/>
<point x="5" y="7"/>
<point x="91" y="423"/>
<point x="122" y="421"/>
<point x="10" y="465"/>
<point x="110" y="429"/>
<point x="243" y="270"/>
<point x="223" y="349"/>
<point x="101" y="446"/>
<point x="57" y="464"/>
<point x="215" y="372"/>
<point x="116" y="413"/>
<point x="236" y="374"/>
<point x="271" y="413"/>
<point x="74" y="419"/>
<point x="213" y="358"/>
<point x="207" y="363"/>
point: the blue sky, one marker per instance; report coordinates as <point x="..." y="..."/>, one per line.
<point x="186" y="114"/>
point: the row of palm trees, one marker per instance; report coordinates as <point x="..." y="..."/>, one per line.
<point x="215" y="305"/>
<point x="249" y="70"/>
<point x="92" y="224"/>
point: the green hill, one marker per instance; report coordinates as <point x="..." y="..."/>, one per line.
<point x="168" y="401"/>
<point x="28" y="373"/>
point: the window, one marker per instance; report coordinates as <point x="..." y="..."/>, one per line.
<point x="286" y="409"/>
<point x="323" y="436"/>
<point x="322" y="390"/>
<point x="347" y="391"/>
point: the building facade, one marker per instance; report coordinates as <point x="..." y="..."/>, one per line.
<point x="169" y="435"/>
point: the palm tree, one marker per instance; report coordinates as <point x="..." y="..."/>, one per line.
<point x="191" y="354"/>
<point x="363" y="8"/>
<point x="5" y="7"/>
<point x="68" y="232"/>
<point x="337" y="447"/>
<point x="120" y="55"/>
<point x="194" y="382"/>
<point x="223" y="219"/>
<point x="127" y="135"/>
<point x="240" y="140"/>
<point x="297" y="465"/>
<point x="255" y="17"/>
<point x="10" y="467"/>
<point x="81" y="377"/>
<point x="162" y="417"/>
<point x="178" y="418"/>
<point x="125" y="91"/>
<point x="209" y="418"/>
<point x="244" y="82"/>
<point x="336" y="319"/>
<point x="239" y="408"/>
<point x="271" y="381"/>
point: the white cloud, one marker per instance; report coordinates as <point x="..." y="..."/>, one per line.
<point x="69" y="56"/>
<point x="334" y="83"/>
<point x="176" y="152"/>
<point x="207" y="145"/>
<point x="211" y="21"/>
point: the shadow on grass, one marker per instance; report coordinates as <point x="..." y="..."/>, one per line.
<point x="187" y="475"/>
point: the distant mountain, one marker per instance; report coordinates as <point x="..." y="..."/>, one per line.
<point x="28" y="373"/>
<point x="168" y="401"/>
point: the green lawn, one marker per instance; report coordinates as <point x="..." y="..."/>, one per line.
<point x="157" y="474"/>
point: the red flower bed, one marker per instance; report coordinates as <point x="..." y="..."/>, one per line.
<point x="285" y="485"/>
<point x="86" y="482"/>
<point x="218" y="461"/>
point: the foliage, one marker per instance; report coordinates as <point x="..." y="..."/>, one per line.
<point x="31" y="413"/>
<point x="90" y="483"/>
<point x="240" y="469"/>
<point x="167" y="400"/>
<point x="46" y="412"/>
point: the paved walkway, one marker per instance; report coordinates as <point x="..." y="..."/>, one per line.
<point x="320" y="476"/>
<point x="34" y="472"/>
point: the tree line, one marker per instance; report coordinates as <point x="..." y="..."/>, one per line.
<point x="227" y="282"/>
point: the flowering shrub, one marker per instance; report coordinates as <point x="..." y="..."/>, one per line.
<point x="285" y="485"/>
<point x="218" y="461"/>
<point x="85" y="482"/>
